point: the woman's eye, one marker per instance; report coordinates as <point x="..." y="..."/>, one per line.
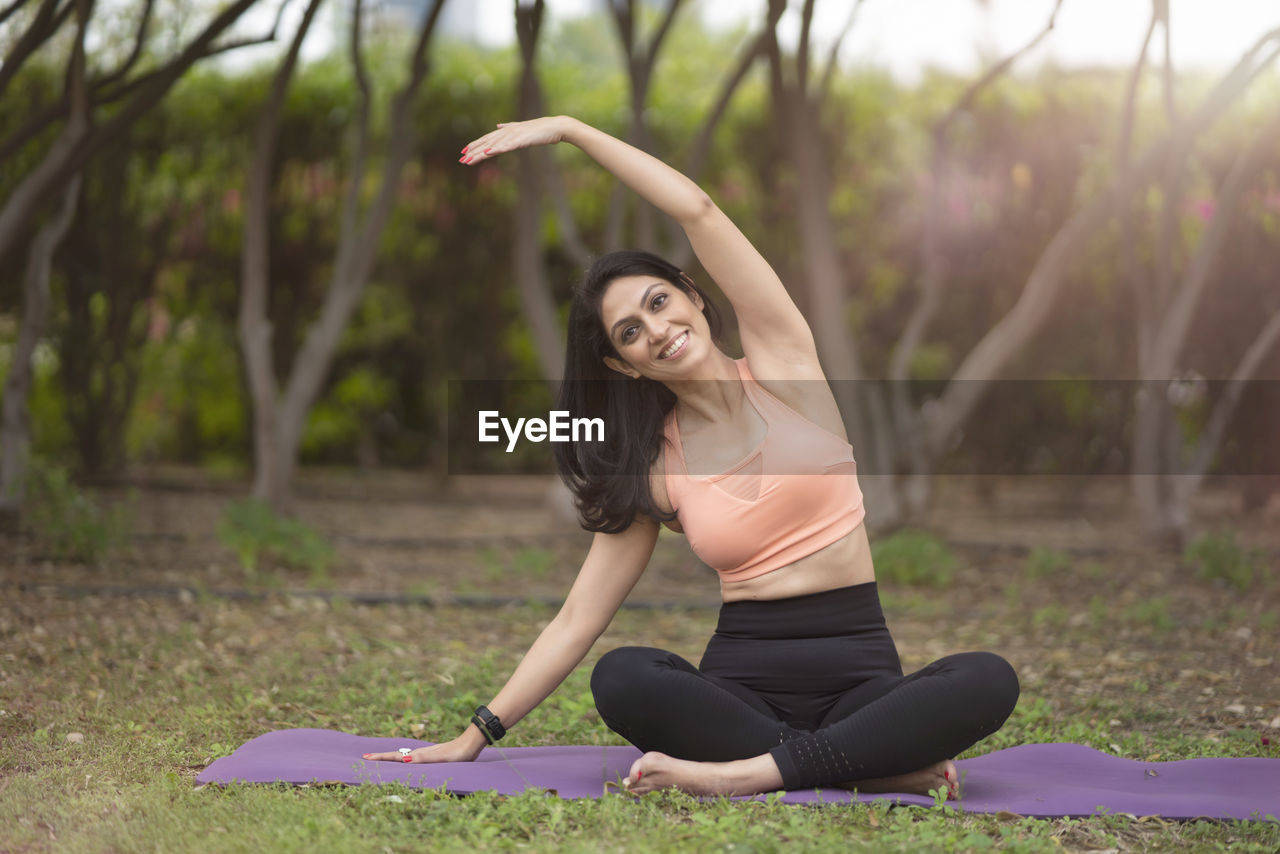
<point x="658" y="301"/>
<point x="628" y="334"/>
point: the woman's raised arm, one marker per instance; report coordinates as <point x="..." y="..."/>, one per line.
<point x="612" y="567"/>
<point x="767" y="317"/>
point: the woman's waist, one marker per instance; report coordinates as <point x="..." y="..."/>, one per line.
<point x="852" y="611"/>
<point x="844" y="563"/>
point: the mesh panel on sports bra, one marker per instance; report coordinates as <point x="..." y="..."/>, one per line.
<point x="745" y="482"/>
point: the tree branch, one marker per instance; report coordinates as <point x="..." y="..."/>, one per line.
<point x="349" y="279"/>
<point x="351" y="201"/>
<point x="802" y="50"/>
<point x="828" y="72"/>
<point x="10" y="9"/>
<point x="700" y="151"/>
<point x="47" y="21"/>
<point x="660" y="35"/>
<point x="138" y="40"/>
<point x="1033" y="306"/>
<point x="116" y="90"/>
<point x="1161" y="11"/>
<point x="933" y="270"/>
<point x="1207" y="448"/>
<point x="1167" y="231"/>
<point x="528" y="29"/>
<point x="1128" y="243"/>
<point x="1172" y="333"/>
<point x="976" y="87"/>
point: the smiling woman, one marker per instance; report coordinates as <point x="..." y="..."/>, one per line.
<point x="801" y="684"/>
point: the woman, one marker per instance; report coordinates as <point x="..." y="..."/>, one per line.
<point x="801" y="685"/>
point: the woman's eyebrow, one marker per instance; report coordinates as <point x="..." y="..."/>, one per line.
<point x="643" y="299"/>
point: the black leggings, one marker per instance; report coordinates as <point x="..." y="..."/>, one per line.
<point x="815" y="682"/>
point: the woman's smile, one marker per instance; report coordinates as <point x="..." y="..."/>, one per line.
<point x="676" y="348"/>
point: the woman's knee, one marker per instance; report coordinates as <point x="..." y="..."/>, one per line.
<point x="996" y="682"/>
<point x="624" y="675"/>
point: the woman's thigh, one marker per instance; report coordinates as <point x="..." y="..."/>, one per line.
<point x="979" y="684"/>
<point x="659" y="701"/>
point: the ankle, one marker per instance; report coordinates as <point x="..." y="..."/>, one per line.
<point x="757" y="774"/>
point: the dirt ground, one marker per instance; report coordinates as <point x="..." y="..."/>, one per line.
<point x="1122" y="630"/>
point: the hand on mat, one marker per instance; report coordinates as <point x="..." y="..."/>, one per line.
<point x="512" y="136"/>
<point x="448" y="751"/>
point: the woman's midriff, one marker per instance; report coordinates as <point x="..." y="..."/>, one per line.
<point x="845" y="562"/>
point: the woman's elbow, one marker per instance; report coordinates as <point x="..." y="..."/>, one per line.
<point x="698" y="208"/>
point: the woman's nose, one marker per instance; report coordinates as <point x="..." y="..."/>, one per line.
<point x="658" y="331"/>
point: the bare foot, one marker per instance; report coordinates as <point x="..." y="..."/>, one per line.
<point x="656" y="770"/>
<point x="943" y="775"/>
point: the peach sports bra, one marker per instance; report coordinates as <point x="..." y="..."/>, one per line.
<point x="796" y="493"/>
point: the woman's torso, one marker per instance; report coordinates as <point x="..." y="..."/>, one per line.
<point x="716" y="446"/>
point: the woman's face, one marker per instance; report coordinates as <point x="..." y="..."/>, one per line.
<point x="657" y="328"/>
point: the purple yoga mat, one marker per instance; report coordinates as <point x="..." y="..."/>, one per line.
<point x="1041" y="780"/>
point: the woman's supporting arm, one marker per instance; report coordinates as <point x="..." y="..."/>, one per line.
<point x="612" y="567"/>
<point x="767" y="317"/>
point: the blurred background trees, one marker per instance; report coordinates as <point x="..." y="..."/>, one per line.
<point x="1076" y="230"/>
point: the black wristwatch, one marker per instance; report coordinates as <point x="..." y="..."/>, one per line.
<point x="488" y="724"/>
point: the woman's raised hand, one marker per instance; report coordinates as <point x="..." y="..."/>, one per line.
<point x="515" y="135"/>
<point x="458" y="750"/>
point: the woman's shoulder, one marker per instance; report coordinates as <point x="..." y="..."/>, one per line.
<point x="798" y="381"/>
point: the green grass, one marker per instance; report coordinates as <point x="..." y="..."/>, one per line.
<point x="68" y="523"/>
<point x="161" y="688"/>
<point x="1044" y="563"/>
<point x="1219" y="555"/>
<point x="914" y="558"/>
<point x="262" y="539"/>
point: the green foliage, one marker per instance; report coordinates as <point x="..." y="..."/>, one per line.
<point x="525" y="562"/>
<point x="258" y="535"/>
<point x="1052" y="616"/>
<point x="1151" y="613"/>
<point x="1219" y="555"/>
<point x="914" y="557"/>
<point x="67" y="521"/>
<point x="1098" y="610"/>
<point x="1043" y="562"/>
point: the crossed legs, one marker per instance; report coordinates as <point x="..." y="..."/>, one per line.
<point x="711" y="735"/>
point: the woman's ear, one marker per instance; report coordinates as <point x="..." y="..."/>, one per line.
<point x="690" y="290"/>
<point x="621" y="367"/>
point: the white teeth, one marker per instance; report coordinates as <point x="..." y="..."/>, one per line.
<point x="675" y="345"/>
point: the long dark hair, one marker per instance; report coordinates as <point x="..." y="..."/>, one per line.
<point x="610" y="479"/>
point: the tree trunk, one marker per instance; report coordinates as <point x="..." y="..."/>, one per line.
<point x="1162" y="487"/>
<point x="279" y="419"/>
<point x="529" y="268"/>
<point x="269" y="483"/>
<point x="15" y="422"/>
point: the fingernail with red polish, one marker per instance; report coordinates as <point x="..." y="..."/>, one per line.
<point x="408" y="759"/>
<point x="464" y="149"/>
<point x="366" y="756"/>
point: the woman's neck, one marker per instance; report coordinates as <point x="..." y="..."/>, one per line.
<point x="713" y="393"/>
